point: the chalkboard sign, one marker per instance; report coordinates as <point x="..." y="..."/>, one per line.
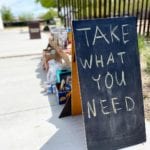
<point x="110" y="82"/>
<point x="34" y="30"/>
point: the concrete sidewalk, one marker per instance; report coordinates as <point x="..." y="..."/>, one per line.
<point x="16" y="41"/>
<point x="29" y="118"/>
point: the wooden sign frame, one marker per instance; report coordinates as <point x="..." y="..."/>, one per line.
<point x="110" y="82"/>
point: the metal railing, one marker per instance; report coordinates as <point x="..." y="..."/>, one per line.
<point x="85" y="9"/>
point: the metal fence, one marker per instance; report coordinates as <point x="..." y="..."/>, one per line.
<point x="85" y="9"/>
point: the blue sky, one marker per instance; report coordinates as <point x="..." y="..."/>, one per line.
<point x="23" y="6"/>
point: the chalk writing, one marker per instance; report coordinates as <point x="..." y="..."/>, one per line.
<point x="100" y="35"/>
<point x="109" y="106"/>
<point x="86" y="36"/>
<point x="125" y="41"/>
<point x="91" y="109"/>
<point x="109" y="77"/>
<point x="98" y="61"/>
<point x="110" y="59"/>
<point x="113" y="35"/>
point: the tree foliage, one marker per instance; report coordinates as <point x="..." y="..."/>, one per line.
<point x="25" y="17"/>
<point x="7" y="15"/>
<point x="49" y="15"/>
<point x="47" y="3"/>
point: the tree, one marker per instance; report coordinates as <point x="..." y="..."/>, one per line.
<point x="6" y="14"/>
<point x="25" y="17"/>
<point x="49" y="15"/>
<point x="47" y="3"/>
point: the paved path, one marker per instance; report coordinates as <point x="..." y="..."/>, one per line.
<point x="27" y="121"/>
<point x="16" y="42"/>
<point x="28" y="118"/>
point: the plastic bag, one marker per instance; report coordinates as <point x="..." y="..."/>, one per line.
<point x="51" y="74"/>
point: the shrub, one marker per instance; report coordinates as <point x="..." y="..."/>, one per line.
<point x="7" y="15"/>
<point x="47" y="3"/>
<point x="141" y="43"/>
<point x="25" y="17"/>
<point x="49" y="15"/>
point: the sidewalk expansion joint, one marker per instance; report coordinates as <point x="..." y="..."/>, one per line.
<point x="20" y="111"/>
<point x="24" y="55"/>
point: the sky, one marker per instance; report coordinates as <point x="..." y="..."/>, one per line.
<point x="23" y="6"/>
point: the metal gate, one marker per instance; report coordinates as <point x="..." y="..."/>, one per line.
<point x="85" y="9"/>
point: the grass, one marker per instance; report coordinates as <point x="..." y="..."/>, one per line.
<point x="148" y="64"/>
<point x="144" y="49"/>
<point x="141" y="44"/>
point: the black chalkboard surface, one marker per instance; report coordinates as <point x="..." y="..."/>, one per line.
<point x="110" y="82"/>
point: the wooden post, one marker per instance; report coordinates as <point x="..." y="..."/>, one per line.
<point x="75" y="98"/>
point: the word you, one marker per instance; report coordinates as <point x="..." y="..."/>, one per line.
<point x="109" y="78"/>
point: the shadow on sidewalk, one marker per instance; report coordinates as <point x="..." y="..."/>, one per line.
<point x="69" y="133"/>
<point x="40" y="73"/>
